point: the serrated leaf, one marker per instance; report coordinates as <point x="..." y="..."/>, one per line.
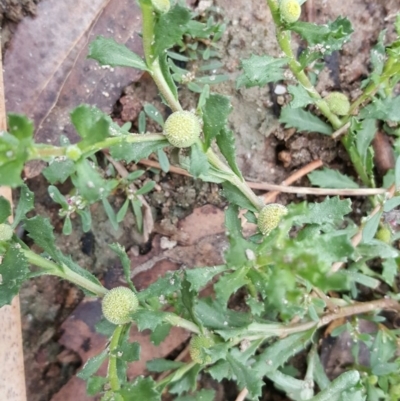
<point x="10" y="173"/>
<point x="14" y="270"/>
<point x="300" y="96"/>
<point x="303" y="121"/>
<point x="126" y="264"/>
<point x="59" y="171"/>
<point x="371" y="227"/>
<point x="375" y="249"/>
<point x="108" y="52"/>
<point x="198" y="162"/>
<point x="188" y="297"/>
<point x="165" y="285"/>
<point x="259" y="70"/>
<point x="5" y="209"/>
<point x="160" y="333"/>
<point x="229" y="283"/>
<point x="20" y="126"/>
<point x="226" y="143"/>
<point x="162" y="365"/>
<point x="170" y="27"/>
<point x="136" y="151"/>
<point x="202" y="395"/>
<point x="215" y="116"/>
<point x="246" y="377"/>
<point x="129" y="352"/>
<point x="142" y="388"/>
<point x="187" y="382"/>
<point x="279" y="352"/>
<point x="92" y="365"/>
<point x="95" y="385"/>
<point x="330" y="37"/>
<point x="147" y="319"/>
<point x="215" y="316"/>
<point x="386" y="109"/>
<point x="199" y="277"/>
<point x="328" y="178"/>
<point x="221" y="370"/>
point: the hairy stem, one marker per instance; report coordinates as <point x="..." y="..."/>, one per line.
<point x="64" y="272"/>
<point x="112" y="373"/>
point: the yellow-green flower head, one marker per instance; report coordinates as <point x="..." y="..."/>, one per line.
<point x="6" y="232"/>
<point x="73" y="152"/>
<point x="270" y="216"/>
<point x="162" y="6"/>
<point x="182" y="128"/>
<point x="118" y="304"/>
<point x="196" y="349"/>
<point x="290" y="10"/>
<point x="338" y="103"/>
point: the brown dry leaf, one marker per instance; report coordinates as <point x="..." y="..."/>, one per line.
<point x="46" y="70"/>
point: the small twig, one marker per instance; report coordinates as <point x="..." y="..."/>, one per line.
<point x="358" y="237"/>
<point x="270" y="197"/>
<point x="242" y="395"/>
<point x="172" y="169"/>
<point x="148" y="221"/>
<point x="340" y="131"/>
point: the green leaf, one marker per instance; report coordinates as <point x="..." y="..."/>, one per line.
<point x="164" y="66"/>
<point x="142" y="388"/>
<point x="160" y="333"/>
<point x="202" y="395"/>
<point x="364" y="137"/>
<point x="122" y="212"/>
<point x="57" y="197"/>
<point x="135" y="151"/>
<point x="147" y="187"/>
<point x="259" y="70"/>
<point x="112" y="217"/>
<point x="386" y="109"/>
<point x="126" y="264"/>
<point x="215" y="116"/>
<point x="280" y="351"/>
<point x="162" y="365"/>
<point x="391" y="204"/>
<point x="5" y="209"/>
<point x="187" y="382"/>
<point x="95" y="385"/>
<point x="163" y="160"/>
<point x="226" y="144"/>
<point x="165" y="285"/>
<point x="303" y="121"/>
<point x="390" y="270"/>
<point x="236" y="197"/>
<point x="14" y="270"/>
<point x="154" y="114"/>
<point x="105" y="327"/>
<point x="246" y="377"/>
<point x="108" y="52"/>
<point x="328" y="178"/>
<point x="330" y="36"/>
<point x="170" y="27"/>
<point x="188" y="297"/>
<point x="198" y="161"/>
<point x="200" y="276"/>
<point x="300" y="96"/>
<point x="397" y="173"/>
<point x="147" y="319"/>
<point x="129" y="352"/>
<point x="59" y="170"/>
<point x="371" y="227"/>
<point x="92" y="365"/>
<point x="229" y="283"/>
<point x="20" y="126"/>
<point x="10" y="173"/>
<point x="375" y="249"/>
<point x="89" y="183"/>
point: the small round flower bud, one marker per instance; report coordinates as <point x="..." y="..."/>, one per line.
<point x="196" y="349"/>
<point x="6" y="232"/>
<point x="118" y="304"/>
<point x="270" y="216"/>
<point x="290" y="10"/>
<point x="338" y="103"/>
<point x="182" y="128"/>
<point x="384" y="235"/>
<point x="73" y="152"/>
<point x="162" y="6"/>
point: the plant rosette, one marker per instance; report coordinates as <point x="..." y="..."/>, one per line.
<point x="182" y="129"/>
<point x="118" y="304"/>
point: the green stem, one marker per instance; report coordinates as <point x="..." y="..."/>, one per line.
<point x="64" y="272"/>
<point x="284" y="41"/>
<point x="178" y="321"/>
<point x="234" y="179"/>
<point x="176" y="375"/>
<point x="112" y="373"/>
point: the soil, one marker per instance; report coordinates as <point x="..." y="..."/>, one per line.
<point x="265" y="152"/>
